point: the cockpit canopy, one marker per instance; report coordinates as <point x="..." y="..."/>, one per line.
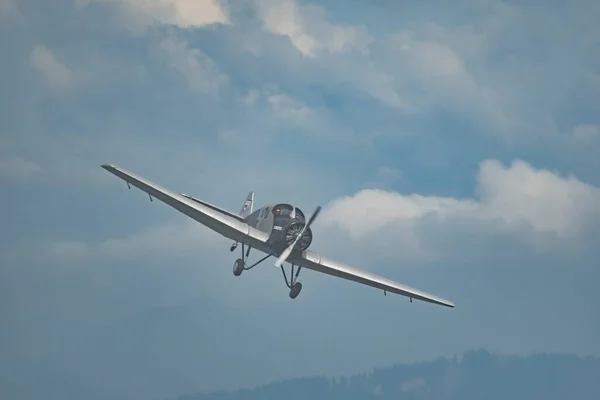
<point x="286" y="209"/>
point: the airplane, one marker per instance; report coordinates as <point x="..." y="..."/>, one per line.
<point x="278" y="230"/>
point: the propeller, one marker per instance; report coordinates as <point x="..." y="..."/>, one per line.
<point x="286" y="253"/>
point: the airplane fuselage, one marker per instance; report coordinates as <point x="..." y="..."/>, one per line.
<point x="283" y="222"/>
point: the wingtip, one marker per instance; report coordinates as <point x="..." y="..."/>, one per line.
<point x="109" y="167"/>
<point x="442" y="302"/>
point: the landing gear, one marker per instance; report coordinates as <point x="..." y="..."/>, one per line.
<point x="240" y="266"/>
<point x="295" y="290"/>
<point x="294" y="286"/>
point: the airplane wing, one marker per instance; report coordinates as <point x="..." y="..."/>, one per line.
<point x="220" y="221"/>
<point x="316" y="262"/>
<point x="228" y="213"/>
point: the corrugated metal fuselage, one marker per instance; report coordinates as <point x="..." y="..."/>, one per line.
<point x="282" y="222"/>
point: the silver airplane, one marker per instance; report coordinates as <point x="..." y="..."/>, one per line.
<point x="279" y="230"/>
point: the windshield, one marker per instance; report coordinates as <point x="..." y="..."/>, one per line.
<point x="285" y="210"/>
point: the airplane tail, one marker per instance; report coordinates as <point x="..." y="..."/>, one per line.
<point x="248" y="205"/>
<point x="244" y="212"/>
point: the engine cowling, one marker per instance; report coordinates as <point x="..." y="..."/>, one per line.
<point x="291" y="230"/>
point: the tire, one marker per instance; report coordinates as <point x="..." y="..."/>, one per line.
<point x="295" y="290"/>
<point x="238" y="267"/>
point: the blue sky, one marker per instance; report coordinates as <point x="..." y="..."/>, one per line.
<point x="455" y="148"/>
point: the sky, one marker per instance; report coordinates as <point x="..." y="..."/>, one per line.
<point x="454" y="148"/>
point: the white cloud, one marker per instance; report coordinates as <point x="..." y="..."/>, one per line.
<point x="429" y="73"/>
<point x="181" y="238"/>
<point x="411" y="70"/>
<point x="53" y="70"/>
<point x="369" y="210"/>
<point x="308" y="29"/>
<point x="541" y="199"/>
<point x="382" y="85"/>
<point x="509" y="199"/>
<point x="477" y="68"/>
<point x="182" y="13"/>
<point x="526" y="70"/>
<point x="341" y="50"/>
<point x="200" y="72"/>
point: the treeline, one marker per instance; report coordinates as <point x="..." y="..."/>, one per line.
<point x="478" y="375"/>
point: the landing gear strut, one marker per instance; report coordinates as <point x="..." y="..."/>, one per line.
<point x="240" y="266"/>
<point x="294" y="286"/>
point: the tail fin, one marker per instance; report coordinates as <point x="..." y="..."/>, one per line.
<point x="248" y="205"/>
<point x="244" y="212"/>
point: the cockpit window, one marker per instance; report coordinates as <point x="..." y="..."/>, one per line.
<point x="264" y="212"/>
<point x="282" y="209"/>
<point x="285" y="210"/>
<point x="300" y="215"/>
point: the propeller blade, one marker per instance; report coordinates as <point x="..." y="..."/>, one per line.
<point x="286" y="253"/>
<point x="314" y="216"/>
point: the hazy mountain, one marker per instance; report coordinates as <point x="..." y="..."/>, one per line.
<point x="478" y="375"/>
<point x="166" y="351"/>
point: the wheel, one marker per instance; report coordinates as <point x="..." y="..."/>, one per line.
<point x="238" y="267"/>
<point x="295" y="290"/>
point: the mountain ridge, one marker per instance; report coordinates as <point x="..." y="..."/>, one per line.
<point x="478" y="374"/>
